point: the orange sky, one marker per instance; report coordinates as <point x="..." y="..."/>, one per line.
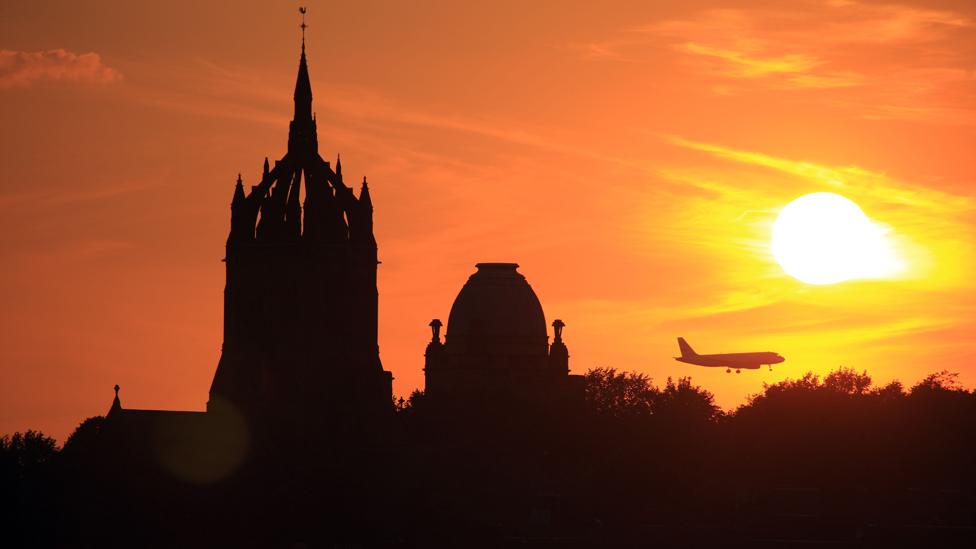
<point x="631" y="157"/>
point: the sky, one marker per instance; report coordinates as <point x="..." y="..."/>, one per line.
<point x="630" y="156"/>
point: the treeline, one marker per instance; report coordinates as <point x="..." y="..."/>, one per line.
<point x="835" y="449"/>
<point x="819" y="457"/>
<point x="822" y="458"/>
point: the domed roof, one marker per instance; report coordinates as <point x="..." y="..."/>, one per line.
<point x="496" y="312"/>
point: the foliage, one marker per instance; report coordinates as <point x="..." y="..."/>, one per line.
<point x="624" y="394"/>
<point x="22" y="451"/>
<point x="684" y="401"/>
<point x="84" y="436"/>
<point x="632" y="396"/>
<point x="820" y="450"/>
<point x="411" y="403"/>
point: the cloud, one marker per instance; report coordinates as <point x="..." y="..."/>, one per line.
<point x="892" y="24"/>
<point x="742" y="65"/>
<point x="21" y="68"/>
<point x="880" y="61"/>
<point x="840" y="178"/>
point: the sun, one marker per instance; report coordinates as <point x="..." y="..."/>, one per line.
<point x="825" y="238"/>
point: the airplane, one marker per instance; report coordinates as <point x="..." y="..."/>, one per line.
<point x="749" y="361"/>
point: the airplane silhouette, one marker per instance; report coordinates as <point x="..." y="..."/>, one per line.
<point x="749" y="361"/>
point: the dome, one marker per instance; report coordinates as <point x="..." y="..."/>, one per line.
<point x="497" y="313"/>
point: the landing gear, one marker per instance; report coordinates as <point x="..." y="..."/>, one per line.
<point x="770" y="367"/>
<point x="728" y="370"/>
<point x="738" y="371"/>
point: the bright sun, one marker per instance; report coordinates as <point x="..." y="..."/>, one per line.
<point x="824" y="238"/>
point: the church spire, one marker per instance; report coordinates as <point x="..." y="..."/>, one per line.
<point x="303" y="90"/>
<point x="116" y="403"/>
<point x="364" y="198"/>
<point x="302" y="138"/>
<point x="303" y="87"/>
<point x="238" y="192"/>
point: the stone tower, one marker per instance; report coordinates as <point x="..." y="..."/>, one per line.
<point x="300" y="303"/>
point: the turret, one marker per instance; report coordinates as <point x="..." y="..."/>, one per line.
<point x="360" y="213"/>
<point x="365" y="201"/>
<point x="238" y="193"/>
<point x="239" y="229"/>
<point x="435" y="349"/>
<point x="558" y="353"/>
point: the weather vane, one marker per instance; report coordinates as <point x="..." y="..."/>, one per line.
<point x="303" y="10"/>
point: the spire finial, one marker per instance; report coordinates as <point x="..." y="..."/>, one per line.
<point x="303" y="87"/>
<point x="116" y="404"/>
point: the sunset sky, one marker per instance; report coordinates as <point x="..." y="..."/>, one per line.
<point x="630" y="156"/>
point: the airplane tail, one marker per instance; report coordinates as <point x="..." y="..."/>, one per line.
<point x="686" y="350"/>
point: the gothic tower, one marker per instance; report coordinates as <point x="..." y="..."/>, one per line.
<point x="300" y="303"/>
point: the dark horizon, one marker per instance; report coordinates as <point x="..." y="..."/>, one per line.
<point x="632" y="160"/>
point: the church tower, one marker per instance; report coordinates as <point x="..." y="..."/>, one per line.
<point x="300" y="302"/>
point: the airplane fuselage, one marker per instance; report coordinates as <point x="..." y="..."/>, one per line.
<point x="747" y="361"/>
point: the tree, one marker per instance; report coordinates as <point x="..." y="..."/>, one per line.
<point x="891" y="392"/>
<point x="410" y="406"/>
<point x="939" y="382"/>
<point x="84" y="437"/>
<point x="683" y="401"/>
<point x="847" y="381"/>
<point x="624" y="394"/>
<point x="24" y="451"/>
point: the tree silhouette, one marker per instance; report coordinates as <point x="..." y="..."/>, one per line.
<point x="684" y="402"/>
<point x="22" y="452"/>
<point x="26" y="507"/>
<point x="621" y="395"/>
<point x="847" y="381"/>
<point x="816" y="457"/>
<point x="84" y="439"/>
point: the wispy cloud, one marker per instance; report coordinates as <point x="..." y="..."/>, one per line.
<point x="21" y="68"/>
<point x="202" y="88"/>
<point x="884" y="61"/>
<point x="892" y="24"/>
<point x="739" y="64"/>
<point x="839" y="178"/>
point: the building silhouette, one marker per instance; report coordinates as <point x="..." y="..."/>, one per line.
<point x="496" y="351"/>
<point x="300" y="304"/>
<point x="299" y="432"/>
<point x="300" y="355"/>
